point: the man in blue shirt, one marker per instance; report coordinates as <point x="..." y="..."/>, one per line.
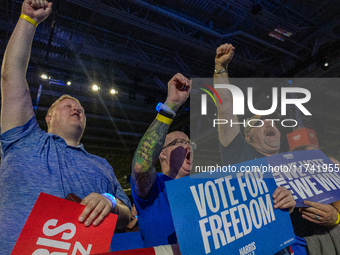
<point x="34" y="161"/>
<point x="175" y="154"/>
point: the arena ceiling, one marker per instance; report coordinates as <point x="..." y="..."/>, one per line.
<point x="136" y="46"/>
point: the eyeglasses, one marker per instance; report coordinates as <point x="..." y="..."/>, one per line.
<point x="181" y="142"/>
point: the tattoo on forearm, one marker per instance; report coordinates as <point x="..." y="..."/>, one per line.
<point x="148" y="151"/>
<point x="151" y="145"/>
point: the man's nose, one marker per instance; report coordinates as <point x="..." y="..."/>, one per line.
<point x="77" y="110"/>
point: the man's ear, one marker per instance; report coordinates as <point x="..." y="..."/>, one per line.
<point x="162" y="156"/>
<point x="248" y="138"/>
<point x="48" y="118"/>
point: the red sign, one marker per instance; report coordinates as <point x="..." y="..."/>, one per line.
<point x="143" y="251"/>
<point x="53" y="226"/>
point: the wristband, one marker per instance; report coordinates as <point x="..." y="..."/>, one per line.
<point x="220" y="71"/>
<point x="163" y="119"/>
<point x="29" y="19"/>
<point x="161" y="106"/>
<point x="338" y="220"/>
<point x="165" y="114"/>
<point x="111" y="198"/>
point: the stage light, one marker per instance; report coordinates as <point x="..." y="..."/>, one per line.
<point x="113" y="91"/>
<point x="277" y="36"/>
<point x="68" y="83"/>
<point x="283" y="32"/>
<point x="324" y="63"/>
<point x="95" y="87"/>
<point x="44" y="76"/>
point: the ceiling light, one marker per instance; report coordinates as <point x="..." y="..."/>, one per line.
<point x="280" y="34"/>
<point x="283" y="31"/>
<point x="44" y="76"/>
<point x="277" y="35"/>
<point x="95" y="87"/>
<point x="113" y="91"/>
<point x="69" y="83"/>
<point x="324" y="63"/>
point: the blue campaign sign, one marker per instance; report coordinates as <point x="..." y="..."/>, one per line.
<point x="310" y="175"/>
<point x="228" y="215"/>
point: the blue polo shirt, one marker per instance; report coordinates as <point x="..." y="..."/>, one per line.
<point x="34" y="161"/>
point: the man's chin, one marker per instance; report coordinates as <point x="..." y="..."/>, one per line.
<point x="273" y="144"/>
<point x="184" y="174"/>
<point x="186" y="168"/>
<point x="77" y="125"/>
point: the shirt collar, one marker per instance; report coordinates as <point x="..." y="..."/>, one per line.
<point x="80" y="147"/>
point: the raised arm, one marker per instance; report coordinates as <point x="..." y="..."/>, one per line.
<point x="143" y="170"/>
<point x="224" y="55"/>
<point x="16" y="107"/>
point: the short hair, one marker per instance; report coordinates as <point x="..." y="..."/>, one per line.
<point x="63" y="97"/>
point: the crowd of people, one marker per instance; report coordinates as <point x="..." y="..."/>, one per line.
<point x="55" y="162"/>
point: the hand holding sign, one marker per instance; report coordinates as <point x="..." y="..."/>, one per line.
<point x="283" y="199"/>
<point x="53" y="228"/>
<point x="97" y="207"/>
<point x="324" y="215"/>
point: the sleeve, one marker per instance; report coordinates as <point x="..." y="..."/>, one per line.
<point x="141" y="203"/>
<point x="119" y="193"/>
<point x="13" y="136"/>
<point x="116" y="189"/>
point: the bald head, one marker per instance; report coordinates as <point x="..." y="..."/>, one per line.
<point x="174" y="135"/>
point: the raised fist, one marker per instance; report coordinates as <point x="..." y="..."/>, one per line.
<point x="178" y="91"/>
<point x="224" y="55"/>
<point x="36" y="9"/>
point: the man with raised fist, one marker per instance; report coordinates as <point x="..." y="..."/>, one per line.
<point x="34" y="161"/>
